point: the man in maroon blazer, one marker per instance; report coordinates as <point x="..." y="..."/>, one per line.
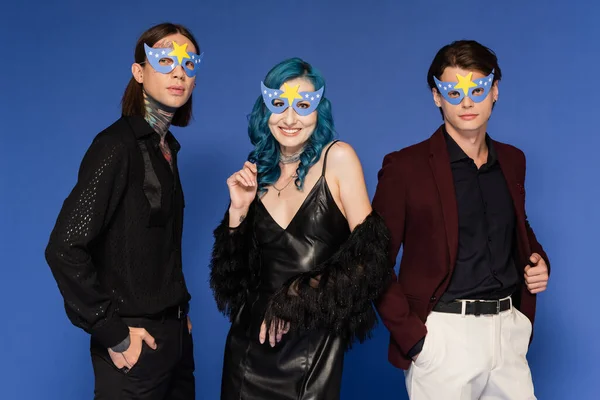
<point x="461" y="310"/>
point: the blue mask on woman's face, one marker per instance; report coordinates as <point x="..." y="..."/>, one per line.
<point x="277" y="101"/>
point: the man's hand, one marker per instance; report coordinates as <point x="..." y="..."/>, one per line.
<point x="536" y="276"/>
<point x="276" y="331"/>
<point x="130" y="356"/>
<point x="189" y="321"/>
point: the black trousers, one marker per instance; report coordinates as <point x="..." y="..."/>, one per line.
<point x="166" y="373"/>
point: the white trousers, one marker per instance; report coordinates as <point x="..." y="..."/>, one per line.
<point x="467" y="357"/>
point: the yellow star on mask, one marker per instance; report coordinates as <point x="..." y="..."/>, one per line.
<point x="179" y="52"/>
<point x="465" y="83"/>
<point x="290" y="93"/>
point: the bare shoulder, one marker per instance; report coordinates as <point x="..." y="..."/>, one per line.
<point x="349" y="190"/>
<point x="341" y="155"/>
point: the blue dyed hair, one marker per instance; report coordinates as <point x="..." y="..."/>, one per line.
<point x="266" y="148"/>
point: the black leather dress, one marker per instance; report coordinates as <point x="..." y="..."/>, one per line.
<point x="304" y="365"/>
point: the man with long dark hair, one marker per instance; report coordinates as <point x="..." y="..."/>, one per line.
<point x="115" y="250"/>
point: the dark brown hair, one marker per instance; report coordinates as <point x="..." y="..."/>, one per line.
<point x="464" y="54"/>
<point x="133" y="99"/>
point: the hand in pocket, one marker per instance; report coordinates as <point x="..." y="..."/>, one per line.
<point x="130" y="357"/>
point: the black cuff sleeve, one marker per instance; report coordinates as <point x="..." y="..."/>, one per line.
<point x="416" y="349"/>
<point x="123" y="346"/>
<point x="112" y="332"/>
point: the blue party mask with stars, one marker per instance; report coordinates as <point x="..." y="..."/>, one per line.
<point x="164" y="60"/>
<point x="277" y="101"/>
<point x="454" y="92"/>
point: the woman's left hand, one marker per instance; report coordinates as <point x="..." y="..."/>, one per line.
<point x="277" y="329"/>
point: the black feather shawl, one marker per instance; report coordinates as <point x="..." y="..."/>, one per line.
<point x="234" y="254"/>
<point x="337" y="295"/>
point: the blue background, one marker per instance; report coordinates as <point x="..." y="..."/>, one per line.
<point x="65" y="66"/>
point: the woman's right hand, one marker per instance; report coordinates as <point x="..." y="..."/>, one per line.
<point x="243" y="185"/>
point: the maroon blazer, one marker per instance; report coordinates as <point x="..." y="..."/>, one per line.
<point x="415" y="196"/>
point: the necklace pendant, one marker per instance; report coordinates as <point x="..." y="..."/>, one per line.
<point x="278" y="194"/>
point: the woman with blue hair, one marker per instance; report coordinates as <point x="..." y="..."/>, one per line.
<point x="299" y="256"/>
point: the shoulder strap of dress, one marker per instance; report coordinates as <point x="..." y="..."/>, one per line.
<point x="325" y="158"/>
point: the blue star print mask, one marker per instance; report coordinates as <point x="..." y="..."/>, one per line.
<point x="477" y="90"/>
<point x="164" y="60"/>
<point x="277" y="101"/>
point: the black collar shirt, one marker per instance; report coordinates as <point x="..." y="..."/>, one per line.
<point x="115" y="250"/>
<point x="484" y="267"/>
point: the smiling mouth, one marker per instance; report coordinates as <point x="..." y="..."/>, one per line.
<point x="289" y="131"/>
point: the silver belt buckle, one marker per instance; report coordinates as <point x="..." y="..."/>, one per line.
<point x="497" y="306"/>
<point x="180" y="312"/>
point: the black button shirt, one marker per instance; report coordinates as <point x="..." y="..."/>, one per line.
<point x="484" y="267"/>
<point x="115" y="250"/>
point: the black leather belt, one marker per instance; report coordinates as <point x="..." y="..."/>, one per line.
<point x="175" y="312"/>
<point x="474" y="307"/>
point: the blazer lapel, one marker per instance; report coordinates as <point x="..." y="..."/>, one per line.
<point x="439" y="162"/>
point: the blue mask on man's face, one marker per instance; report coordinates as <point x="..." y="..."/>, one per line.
<point x="164" y="60"/>
<point x="454" y="92"/>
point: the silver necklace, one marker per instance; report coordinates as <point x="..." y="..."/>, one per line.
<point x="283" y="188"/>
